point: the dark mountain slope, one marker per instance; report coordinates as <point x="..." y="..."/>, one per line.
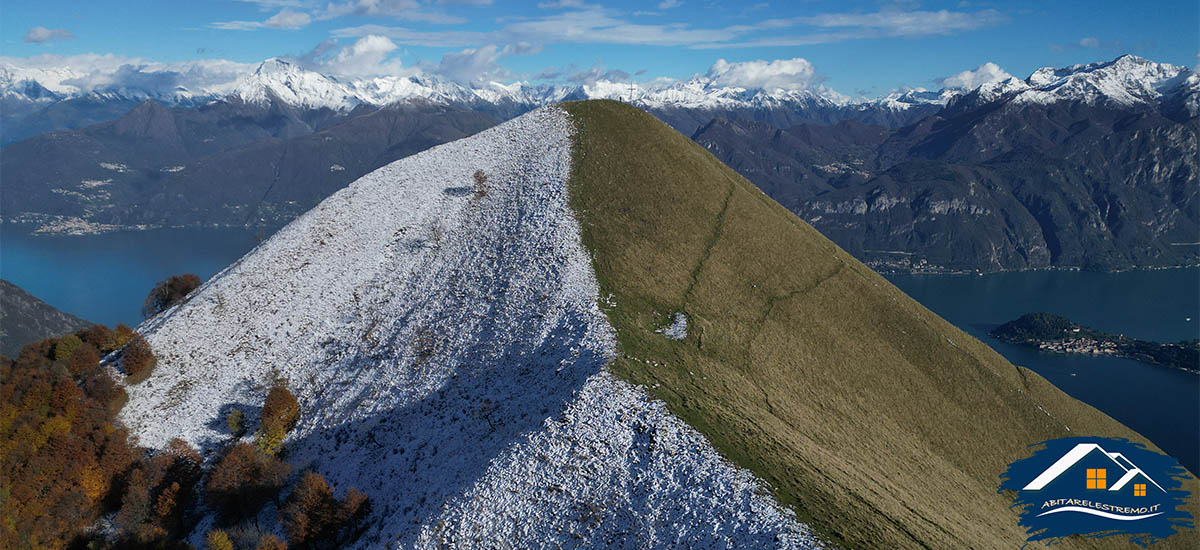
<point x="990" y="187"/>
<point x="223" y="164"/>
<point x="25" y="319"/>
<point x="885" y="425"/>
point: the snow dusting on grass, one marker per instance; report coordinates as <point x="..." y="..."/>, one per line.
<point x="449" y="357"/>
<point x="677" y="330"/>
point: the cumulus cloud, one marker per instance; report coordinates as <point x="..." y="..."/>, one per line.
<point x="365" y="57"/>
<point x="39" y="35"/>
<point x="1089" y="42"/>
<point x="969" y="80"/>
<point x="788" y="74"/>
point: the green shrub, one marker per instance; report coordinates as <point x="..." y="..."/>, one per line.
<point x="219" y="540"/>
<point x="66" y="346"/>
<point x="236" y="421"/>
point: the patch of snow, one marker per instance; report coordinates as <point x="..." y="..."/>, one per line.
<point x="337" y="168"/>
<point x="677" y="330"/>
<point x="87" y="184"/>
<point x="449" y="354"/>
<point x="171" y="169"/>
<point x="114" y="166"/>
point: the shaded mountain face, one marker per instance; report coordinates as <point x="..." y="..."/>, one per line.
<point x="225" y="164"/>
<point x="608" y="339"/>
<point x="24" y="319"/>
<point x="1001" y="186"/>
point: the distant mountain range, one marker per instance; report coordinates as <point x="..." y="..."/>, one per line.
<point x="1084" y="166"/>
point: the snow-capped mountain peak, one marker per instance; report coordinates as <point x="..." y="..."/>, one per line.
<point x="1126" y="81"/>
<point x="278" y="79"/>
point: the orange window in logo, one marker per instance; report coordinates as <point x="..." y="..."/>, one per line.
<point x="1096" y="478"/>
<point x="1139" y="489"/>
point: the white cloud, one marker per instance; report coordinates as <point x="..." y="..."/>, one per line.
<point x="576" y="22"/>
<point x="39" y="35"/>
<point x="267" y="5"/>
<point x="840" y="27"/>
<point x="522" y="48"/>
<point x="473" y="65"/>
<point x="288" y="19"/>
<point x="788" y="74"/>
<point x="1089" y="42"/>
<point x="285" y="19"/>
<point x="588" y="25"/>
<point x="668" y="4"/>
<point x="366" y="57"/>
<point x="969" y="80"/>
<point x="556" y="4"/>
<point x="404" y="10"/>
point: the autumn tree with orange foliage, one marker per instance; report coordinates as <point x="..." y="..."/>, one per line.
<point x="271" y="542"/>
<point x="280" y="412"/>
<point x="61" y="451"/>
<point x="313" y="518"/>
<point x="168" y="292"/>
<point x="137" y="359"/>
<point x="244" y="479"/>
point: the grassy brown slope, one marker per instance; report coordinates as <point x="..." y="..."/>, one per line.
<point x="879" y="422"/>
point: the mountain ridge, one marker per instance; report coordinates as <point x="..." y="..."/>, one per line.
<point x="490" y="338"/>
<point x="1127" y="80"/>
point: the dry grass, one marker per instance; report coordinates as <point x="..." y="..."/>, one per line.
<point x="877" y="421"/>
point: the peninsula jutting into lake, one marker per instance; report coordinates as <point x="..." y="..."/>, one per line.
<point x="1058" y="334"/>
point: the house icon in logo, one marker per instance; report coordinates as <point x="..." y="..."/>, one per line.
<point x="1089" y="467"/>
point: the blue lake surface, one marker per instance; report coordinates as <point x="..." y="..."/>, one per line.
<point x="104" y="278"/>
<point x="1161" y="403"/>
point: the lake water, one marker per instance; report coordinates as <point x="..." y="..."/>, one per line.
<point x="1161" y="403"/>
<point x="104" y="278"/>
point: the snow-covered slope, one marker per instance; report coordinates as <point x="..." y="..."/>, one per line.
<point x="449" y="356"/>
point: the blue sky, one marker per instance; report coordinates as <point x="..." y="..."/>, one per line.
<point x="856" y="48"/>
